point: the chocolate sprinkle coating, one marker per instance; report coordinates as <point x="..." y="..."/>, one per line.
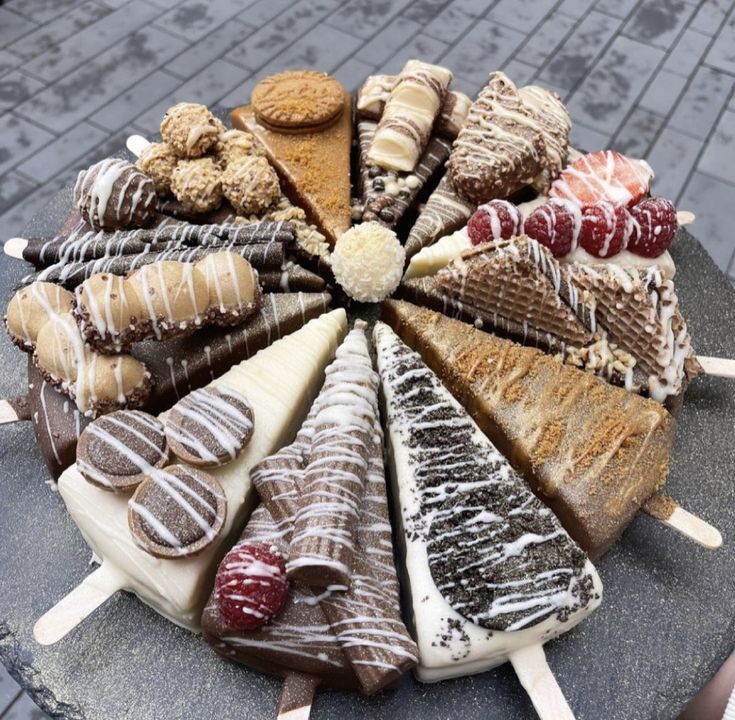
<point x="177" y="511"/>
<point x="210" y="427"/>
<point x="117" y="451"/>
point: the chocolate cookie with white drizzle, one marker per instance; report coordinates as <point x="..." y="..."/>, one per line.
<point x="210" y="426"/>
<point x="177" y="511"/>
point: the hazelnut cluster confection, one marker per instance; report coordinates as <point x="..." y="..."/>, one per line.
<point x="165" y="299"/>
<point x="197" y="184"/>
<point x="113" y="195"/>
<point x="250" y="184"/>
<point x="190" y="130"/>
<point x="158" y="161"/>
<point x="233" y="145"/>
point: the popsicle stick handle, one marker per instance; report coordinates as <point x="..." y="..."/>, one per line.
<point x="81" y="602"/>
<point x="685" y="217"/>
<point x="14" y="247"/>
<point x="136" y="144"/>
<point x="689" y="525"/>
<point x="7" y="413"/>
<point x="721" y="367"/>
<point x="539" y="682"/>
<point x="297" y="695"/>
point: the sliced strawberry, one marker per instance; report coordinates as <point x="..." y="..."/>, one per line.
<point x="656" y="223"/>
<point x="603" y="175"/>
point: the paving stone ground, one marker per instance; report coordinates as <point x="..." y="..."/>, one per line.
<point x="653" y="78"/>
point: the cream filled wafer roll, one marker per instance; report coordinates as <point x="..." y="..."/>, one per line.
<point x="409" y="114"/>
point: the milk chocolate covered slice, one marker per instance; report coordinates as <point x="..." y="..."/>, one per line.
<point x="209" y="427"/>
<point x="118" y="450"/>
<point x="593" y="452"/>
<point x="177" y="511"/>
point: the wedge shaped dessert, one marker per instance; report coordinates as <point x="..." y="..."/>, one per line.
<point x="304" y="121"/>
<point x="325" y="493"/>
<point x="488" y="568"/>
<point x="279" y="383"/>
<point x="593" y="452"/>
<point x="623" y="324"/>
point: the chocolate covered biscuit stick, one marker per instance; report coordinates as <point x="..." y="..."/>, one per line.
<point x="80" y="247"/>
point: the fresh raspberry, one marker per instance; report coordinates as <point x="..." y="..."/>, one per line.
<point x="495" y="220"/>
<point x="555" y="224"/>
<point x="656" y="227"/>
<point x="603" y="175"/>
<point x="605" y="227"/>
<point x="251" y="585"/>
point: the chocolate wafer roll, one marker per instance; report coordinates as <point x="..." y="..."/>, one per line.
<point x="408" y="117"/>
<point x="81" y="247"/>
<point x="387" y="194"/>
<point x="325" y="526"/>
<point x="262" y="257"/>
<point x="291" y="278"/>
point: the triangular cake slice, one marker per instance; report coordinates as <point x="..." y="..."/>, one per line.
<point x="360" y="628"/>
<point x="312" y="163"/>
<point x="593" y="452"/>
<point x="177" y="367"/>
<point x="280" y="383"/>
<point x="488" y="568"/>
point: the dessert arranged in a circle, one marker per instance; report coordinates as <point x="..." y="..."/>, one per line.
<point x="216" y="431"/>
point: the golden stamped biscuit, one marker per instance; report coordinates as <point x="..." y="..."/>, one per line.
<point x="303" y="100"/>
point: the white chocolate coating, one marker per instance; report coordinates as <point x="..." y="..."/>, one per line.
<point x="280" y="382"/>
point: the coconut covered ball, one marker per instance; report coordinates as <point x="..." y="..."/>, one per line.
<point x="368" y="262"/>
<point x="190" y="130"/>
<point x="158" y="162"/>
<point x="233" y="145"/>
<point x="197" y="184"/>
<point x="250" y="184"/>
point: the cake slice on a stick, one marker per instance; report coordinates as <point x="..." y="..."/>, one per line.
<point x="593" y="452"/>
<point x="279" y="383"/>
<point x="363" y="643"/>
<point x="490" y="572"/>
<point x="304" y="121"/>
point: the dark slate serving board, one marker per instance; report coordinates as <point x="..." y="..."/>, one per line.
<point x="665" y="626"/>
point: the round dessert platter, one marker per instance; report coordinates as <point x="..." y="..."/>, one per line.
<point x="665" y="624"/>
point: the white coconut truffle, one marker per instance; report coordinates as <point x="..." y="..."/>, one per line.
<point x="368" y="262"/>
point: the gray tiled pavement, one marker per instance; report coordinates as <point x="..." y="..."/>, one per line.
<point x="653" y="78"/>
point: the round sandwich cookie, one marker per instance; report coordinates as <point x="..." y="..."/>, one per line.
<point x="210" y="426"/>
<point x="117" y="451"/>
<point x="177" y="511"/>
<point x="298" y="101"/>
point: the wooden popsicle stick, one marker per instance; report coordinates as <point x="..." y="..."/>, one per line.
<point x="14" y="247"/>
<point x="685" y="217"/>
<point x="7" y="413"/>
<point x="297" y="696"/>
<point x="81" y="602"/>
<point x="136" y="144"/>
<point x="670" y="513"/>
<point x="539" y="682"/>
<point x="720" y="367"/>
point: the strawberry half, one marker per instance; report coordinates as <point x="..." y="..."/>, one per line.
<point x="603" y="175"/>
